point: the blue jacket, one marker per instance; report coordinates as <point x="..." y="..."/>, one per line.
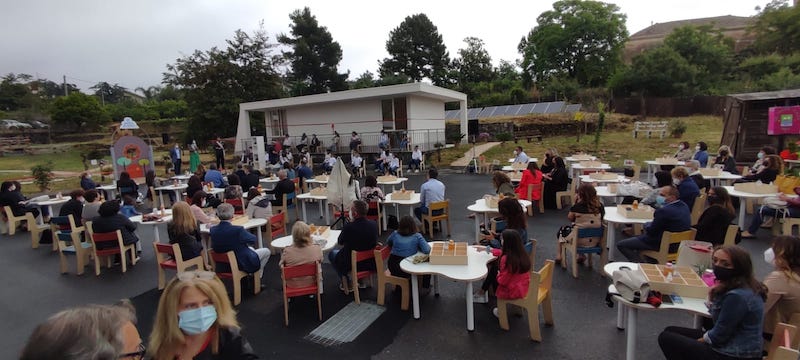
<point x="688" y="191"/>
<point x="214" y="176"/>
<point x="702" y="157"/>
<point x="673" y="217"/>
<point x="738" y="323"/>
<point x="88" y="184"/>
<point x="228" y="237"/>
<point x="305" y="172"/>
<point x="405" y="246"/>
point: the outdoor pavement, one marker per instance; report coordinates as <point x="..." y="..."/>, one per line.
<point x="585" y="328"/>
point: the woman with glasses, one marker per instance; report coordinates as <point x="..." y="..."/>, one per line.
<point x="87" y="332"/>
<point x="195" y="319"/>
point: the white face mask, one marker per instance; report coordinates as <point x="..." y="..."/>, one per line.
<point x="89" y="176"/>
<point x="515" y="152"/>
<point x="697" y="148"/>
<point x="680" y="147"/>
<point x="12" y="188"/>
<point x="769" y="256"/>
<point x="676" y="181"/>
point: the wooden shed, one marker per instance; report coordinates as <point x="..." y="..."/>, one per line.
<point x="746" y="120"/>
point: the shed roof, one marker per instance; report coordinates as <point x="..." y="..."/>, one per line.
<point x="418" y="89"/>
<point x="767" y="95"/>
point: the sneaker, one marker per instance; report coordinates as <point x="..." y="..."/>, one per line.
<point x="480" y="298"/>
<point x="494" y="312"/>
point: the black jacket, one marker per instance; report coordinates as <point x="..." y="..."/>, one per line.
<point x="359" y="235"/>
<point x="103" y="224"/>
<point x="73" y="207"/>
<point x="713" y="225"/>
<point x="284" y="186"/>
<point x="189" y="243"/>
<point x="232" y="345"/>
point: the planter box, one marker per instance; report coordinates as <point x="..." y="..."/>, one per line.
<point x="442" y="255"/>
<point x="240" y="220"/>
<point x="322" y="178"/>
<point x="643" y="212"/>
<point x="685" y="282"/>
<point x="582" y="157"/>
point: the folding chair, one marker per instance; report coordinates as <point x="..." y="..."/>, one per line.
<point x="290" y="272"/>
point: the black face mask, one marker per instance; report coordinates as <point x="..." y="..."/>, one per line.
<point x="713" y="199"/>
<point x="723" y="274"/>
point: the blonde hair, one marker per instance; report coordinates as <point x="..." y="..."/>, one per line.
<point x="183" y="220"/>
<point x="680" y="173"/>
<point x="301" y="234"/>
<point x="167" y="337"/>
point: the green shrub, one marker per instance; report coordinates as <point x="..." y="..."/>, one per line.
<point x="504" y="136"/>
<point x="43" y="175"/>
<point x="677" y="127"/>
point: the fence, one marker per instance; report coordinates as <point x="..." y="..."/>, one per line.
<point x="425" y="139"/>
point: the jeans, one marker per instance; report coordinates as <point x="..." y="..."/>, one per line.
<point x="678" y="343"/>
<point x="177" y="166"/>
<point x="424" y="210"/>
<point x="413" y="164"/>
<point x="766" y="211"/>
<point x="332" y="259"/>
<point x="379" y="166"/>
<point x="630" y="247"/>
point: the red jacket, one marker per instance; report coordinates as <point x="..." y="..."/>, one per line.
<point x="509" y="285"/>
<point x="527" y="179"/>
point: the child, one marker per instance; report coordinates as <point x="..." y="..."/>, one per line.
<point x="355" y="162"/>
<point x="405" y="242"/>
<point x="393" y="163"/>
<point x="510" y="276"/>
<point x="128" y="206"/>
<point x="329" y="162"/>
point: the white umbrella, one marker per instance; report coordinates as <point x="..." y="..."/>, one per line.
<point x="340" y="190"/>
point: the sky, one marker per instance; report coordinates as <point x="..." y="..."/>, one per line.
<point x="130" y="42"/>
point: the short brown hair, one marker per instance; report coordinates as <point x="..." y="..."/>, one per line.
<point x="407" y="226"/>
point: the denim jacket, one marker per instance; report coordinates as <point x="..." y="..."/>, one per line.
<point x="738" y="322"/>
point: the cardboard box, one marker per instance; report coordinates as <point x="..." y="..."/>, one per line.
<point x="643" y="212"/>
<point x="402" y="194"/>
<point x="591" y="164"/>
<point x="519" y="166"/>
<point x="386" y="178"/>
<point x="517" y="176"/>
<point x="667" y="161"/>
<point x="603" y="176"/>
<point x="756" y="188"/>
<point x="323" y="178"/>
<point x="491" y="201"/>
<point x="319" y="191"/>
<point x="710" y="171"/>
<point x="321" y="231"/>
<point x="685" y="282"/>
<point x="442" y="255"/>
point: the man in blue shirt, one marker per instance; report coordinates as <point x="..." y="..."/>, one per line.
<point x="520" y="156"/>
<point x="303" y="171"/>
<point x="175" y="156"/>
<point x="673" y="216"/>
<point x="431" y="191"/>
<point x="214" y="176"/>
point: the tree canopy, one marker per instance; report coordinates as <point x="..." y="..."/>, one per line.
<point x="314" y="57"/>
<point x="582" y="40"/>
<point x="417" y="52"/>
<point x="108" y="93"/>
<point x="777" y="29"/>
<point x="79" y="109"/>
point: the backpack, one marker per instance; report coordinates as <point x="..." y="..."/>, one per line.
<point x="631" y="284"/>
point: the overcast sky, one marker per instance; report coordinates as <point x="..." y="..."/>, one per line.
<point x="130" y="42"/>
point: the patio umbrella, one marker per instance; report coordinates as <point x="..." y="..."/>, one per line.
<point x="341" y="192"/>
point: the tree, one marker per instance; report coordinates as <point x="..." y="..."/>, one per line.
<point x="577" y="39"/>
<point x="708" y="51"/>
<point x="79" y="109"/>
<point x="314" y="57"/>
<point x="215" y="81"/>
<point x="417" y="51"/>
<point x="48" y="89"/>
<point x="365" y="80"/>
<point x="474" y="65"/>
<point x="14" y="93"/>
<point x="776" y="29"/>
<point x="109" y="93"/>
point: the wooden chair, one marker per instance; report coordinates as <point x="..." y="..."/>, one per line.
<point x="789" y="224"/>
<point x="663" y="255"/>
<point x="114" y="238"/>
<point x="783" y="343"/>
<point x="290" y="272"/>
<point x="170" y="257"/>
<point x="575" y="250"/>
<point x="275" y="228"/>
<point x="386" y="278"/>
<point x="399" y="171"/>
<point x="429" y="218"/>
<point x="483" y="166"/>
<point x="730" y="235"/>
<point x="355" y="275"/>
<point x="539" y="292"/>
<point x="375" y="205"/>
<point x="234" y="274"/>
<point x="698" y="207"/>
<point x="532" y="189"/>
<point x="286" y="206"/>
<point x="14" y="221"/>
<point x="636" y="171"/>
<point x="67" y="240"/>
<point x="569" y="193"/>
<point x="362" y="171"/>
<point x="530" y="247"/>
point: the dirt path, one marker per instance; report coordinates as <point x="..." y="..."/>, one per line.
<point x="468" y="155"/>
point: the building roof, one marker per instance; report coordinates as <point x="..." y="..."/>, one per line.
<point x="381" y="92"/>
<point x="726" y="22"/>
<point x="768" y="95"/>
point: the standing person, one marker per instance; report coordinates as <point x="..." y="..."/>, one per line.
<point x="86" y="181"/>
<point x="701" y="153"/>
<point x="334" y="147"/>
<point x="737" y="308"/>
<point x="384" y="141"/>
<point x="175" y="156"/>
<point x="302" y="251"/>
<point x="315" y="143"/>
<point x="713" y="223"/>
<point x="416" y="159"/>
<point x="359" y="235"/>
<point x="406" y="241"/>
<point x="355" y="140"/>
<point x="228" y="237"/>
<point x="684" y="153"/>
<point x="430" y="191"/>
<point x="587" y="212"/>
<point x="557" y="180"/>
<point x="520" y="156"/>
<point x="183" y="230"/>
<point x="673" y="216"/>
<point x="725" y="158"/>
<point x="219" y="153"/>
<point x="783" y="283"/>
<point x="195" y="320"/>
<point x="687" y="187"/>
<point x="194" y="156"/>
<point x="530" y="176"/>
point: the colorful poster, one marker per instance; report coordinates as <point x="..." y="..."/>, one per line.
<point x="784" y="120"/>
<point x="132" y="155"/>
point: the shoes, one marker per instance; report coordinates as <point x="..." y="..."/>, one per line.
<point x="747" y="235"/>
<point x="480" y="298"/>
<point x="558" y="261"/>
<point x="494" y="312"/>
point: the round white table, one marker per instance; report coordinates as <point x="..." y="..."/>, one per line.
<point x="509" y="168"/>
<point x="285" y="241"/>
<point x="394" y="182"/>
<point x="177" y="189"/>
<point x="251" y="223"/>
<point x="110" y="190"/>
<point x="716" y="179"/>
<point x="589" y="179"/>
<point x="530" y="160"/>
<point x="270" y="181"/>
<point x="571" y="159"/>
<point x="475" y="269"/>
<point x="182" y="178"/>
<point x="321" y="199"/>
<point x="653" y="163"/>
<point x="480" y="207"/>
<point x="163" y="220"/>
<point x="613" y="217"/>
<point x="415" y="200"/>
<point x="49" y="204"/>
<point x="602" y="192"/>
<point x="744" y="196"/>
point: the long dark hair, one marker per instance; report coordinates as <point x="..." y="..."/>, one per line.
<point x="723" y="199"/>
<point x="743" y="277"/>
<point x="588" y="195"/>
<point x="511" y="210"/>
<point x="500" y="178"/>
<point x="787" y="255"/>
<point x="517" y="260"/>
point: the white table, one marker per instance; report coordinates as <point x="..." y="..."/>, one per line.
<point x="577" y="168"/>
<point x="475" y="269"/>
<point x="286" y="241"/>
<point x="715" y="179"/>
<point x="251" y="223"/>
<point x="110" y="190"/>
<point x="571" y="159"/>
<point x="602" y="191"/>
<point x="270" y="181"/>
<point x="415" y="200"/>
<point x="744" y="196"/>
<point x="181" y="178"/>
<point x="177" y="189"/>
<point x="163" y="220"/>
<point x="695" y="306"/>
<point x="653" y="163"/>
<point x="49" y="204"/>
<point x="394" y="182"/>
<point x="216" y="192"/>
<point x="508" y="168"/>
<point x="321" y="199"/>
<point x="480" y="207"/>
<point x="613" y="217"/>
<point x="530" y="160"/>
<point x="589" y="179"/>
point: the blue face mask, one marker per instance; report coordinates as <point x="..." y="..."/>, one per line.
<point x="760" y="155"/>
<point x="660" y="200"/>
<point x="197" y="321"/>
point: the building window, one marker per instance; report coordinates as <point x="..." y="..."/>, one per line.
<point x="276" y="122"/>
<point x="387" y="110"/>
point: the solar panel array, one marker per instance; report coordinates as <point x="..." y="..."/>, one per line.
<point x="514" y="110"/>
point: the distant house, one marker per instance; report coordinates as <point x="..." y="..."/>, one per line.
<point x="734" y="27"/>
<point x="415" y="110"/>
<point x="139" y="99"/>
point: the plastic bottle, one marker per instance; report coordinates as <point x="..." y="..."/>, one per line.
<point x="635" y="204"/>
<point x="709" y="278"/>
<point x="668" y="270"/>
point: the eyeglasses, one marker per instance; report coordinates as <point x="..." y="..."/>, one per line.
<point x="189" y="275"/>
<point x="139" y="354"/>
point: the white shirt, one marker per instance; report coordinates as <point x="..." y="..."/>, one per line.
<point x="383" y="155"/>
<point x="394" y="162"/>
<point x="356" y="161"/>
<point x="522" y="157"/>
<point x="330" y="161"/>
<point x="416" y="155"/>
<point x="288" y="141"/>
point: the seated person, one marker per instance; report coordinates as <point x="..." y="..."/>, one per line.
<point x="303" y="171"/>
<point x="73" y="206"/>
<point x="406" y="241"/>
<point x="329" y="161"/>
<point x="228" y="237"/>
<point x="502" y="184"/>
<point x="392" y="163"/>
<point x="315" y="143"/>
<point x="429" y="192"/>
<point x="792" y="210"/>
<point x="128" y="208"/>
<point x="520" y="156"/>
<point x="356" y="162"/>
<point x="258" y="206"/>
<point x="762" y="154"/>
<point x="86" y="181"/>
<point x="355" y="140"/>
<point x="380" y="162"/>
<point x="359" y="235"/>
<point x="251" y="178"/>
<point x="770" y="168"/>
<point x="91" y="206"/>
<point x="199" y="202"/>
<point x="701" y="153"/>
<point x="127" y="186"/>
<point x="673" y="216"/>
<point x="234" y="188"/>
<point x="684" y="153"/>
<point x="214" y="176"/>
<point x="194" y="184"/>
<point x="384" y="141"/>
<point x="557" y="180"/>
<point x="687" y="188"/>
<point x="726" y="160"/>
<point x="302" y="251"/>
<point x="416" y="159"/>
<point x="282" y="187"/>
<point x="783" y="288"/>
<point x="289" y="167"/>
<point x="110" y="220"/>
<point x="184" y="231"/>
<point x="587" y="212"/>
<point x="663" y="178"/>
<point x="530" y="176"/>
<point x="240" y="170"/>
<point x="713" y="223"/>
<point x="692" y="168"/>
<point x="371" y="192"/>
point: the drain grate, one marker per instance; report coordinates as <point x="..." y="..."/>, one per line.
<point x="346" y="325"/>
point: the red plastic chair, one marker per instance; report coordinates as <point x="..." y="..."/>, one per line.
<point x="120" y="248"/>
<point x="290" y="272"/>
<point x="235" y="274"/>
<point x="374" y="205"/>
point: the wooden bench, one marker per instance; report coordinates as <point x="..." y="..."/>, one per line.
<point x="14" y="144"/>
<point x="650" y="127"/>
<point x="528" y="135"/>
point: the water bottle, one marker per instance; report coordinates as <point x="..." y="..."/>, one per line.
<point x="488" y="249"/>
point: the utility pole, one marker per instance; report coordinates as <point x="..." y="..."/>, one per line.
<point x="65" y="85"/>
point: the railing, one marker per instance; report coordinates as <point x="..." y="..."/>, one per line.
<point x="425" y="139"/>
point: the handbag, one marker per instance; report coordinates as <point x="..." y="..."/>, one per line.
<point x="631" y="285"/>
<point x="787" y="183"/>
<point x="774" y="202"/>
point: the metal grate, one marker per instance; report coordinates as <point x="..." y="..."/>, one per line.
<point x="346" y="325"/>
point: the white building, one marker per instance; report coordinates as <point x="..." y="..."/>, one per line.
<point x="416" y="109"/>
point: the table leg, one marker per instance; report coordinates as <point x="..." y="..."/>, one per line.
<point x="415" y="294"/>
<point x="697" y="321"/>
<point x="435" y="285"/>
<point x="327" y="212"/>
<point x="178" y="194"/>
<point x="320" y="210"/>
<point x="630" y="334"/>
<point x="610" y="241"/>
<point x="649" y="173"/>
<point x="742" y="206"/>
<point x="477" y="229"/>
<point x="304" y="212"/>
<point x="156" y="238"/>
<point x="470" y="310"/>
<point x="260" y="237"/>
<point x="620" y="316"/>
<point x="161" y="198"/>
